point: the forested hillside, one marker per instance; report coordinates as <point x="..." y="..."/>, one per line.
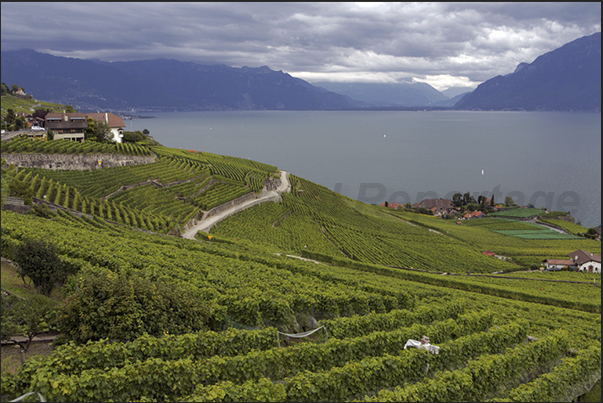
<point x="147" y="315"/>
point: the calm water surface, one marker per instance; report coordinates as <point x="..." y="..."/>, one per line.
<point x="551" y="159"/>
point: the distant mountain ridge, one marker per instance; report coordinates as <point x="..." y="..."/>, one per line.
<point x="567" y="78"/>
<point x="388" y="94"/>
<point x="162" y="84"/>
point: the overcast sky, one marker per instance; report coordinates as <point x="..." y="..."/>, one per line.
<point x="443" y="44"/>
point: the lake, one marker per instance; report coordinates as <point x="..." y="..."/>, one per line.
<point x="550" y="159"/>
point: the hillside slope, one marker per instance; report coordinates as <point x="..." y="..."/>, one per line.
<point x="211" y="318"/>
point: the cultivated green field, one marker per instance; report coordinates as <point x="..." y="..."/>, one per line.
<point x="149" y="316"/>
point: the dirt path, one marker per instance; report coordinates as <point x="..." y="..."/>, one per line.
<point x="301" y="258"/>
<point x="264" y="196"/>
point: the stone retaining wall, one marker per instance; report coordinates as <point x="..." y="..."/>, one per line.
<point x="75" y="161"/>
<point x="227" y="205"/>
<point x="272" y="183"/>
<point x="16" y="204"/>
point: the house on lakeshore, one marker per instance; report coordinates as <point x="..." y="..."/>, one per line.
<point x="557" y="264"/>
<point x="69" y="126"/>
<point x="434" y="203"/>
<point x="580" y="260"/>
<point x="438" y="207"/>
<point x="115" y="123"/>
<point x="473" y="214"/>
<point x="586" y="261"/>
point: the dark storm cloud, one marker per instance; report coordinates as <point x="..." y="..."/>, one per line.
<point x="442" y="43"/>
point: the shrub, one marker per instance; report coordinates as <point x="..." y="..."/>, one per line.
<point x="40" y="262"/>
<point x="123" y="307"/>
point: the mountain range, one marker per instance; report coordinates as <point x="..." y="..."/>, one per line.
<point x="567" y="78"/>
<point x="162" y="85"/>
<point x="388" y="94"/>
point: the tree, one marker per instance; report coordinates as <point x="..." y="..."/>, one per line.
<point x="14" y="88"/>
<point x="97" y="131"/>
<point x="20" y="123"/>
<point x="509" y="201"/>
<point x="103" y="132"/>
<point x="70" y="109"/>
<point x="9" y="119"/>
<point x="468" y="199"/>
<point x="5" y="90"/>
<point x="49" y="135"/>
<point x="27" y="317"/>
<point x="90" y="131"/>
<point x="457" y="200"/>
<point x="40" y="262"/>
<point x="386" y="204"/>
<point x="133" y="137"/>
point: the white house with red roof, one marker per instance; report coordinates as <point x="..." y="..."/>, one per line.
<point x="115" y="123"/>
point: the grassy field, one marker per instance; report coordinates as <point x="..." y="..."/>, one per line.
<point x="519" y="213"/>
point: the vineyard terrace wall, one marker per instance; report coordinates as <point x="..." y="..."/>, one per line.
<point x="76" y="161"/>
<point x="270" y="184"/>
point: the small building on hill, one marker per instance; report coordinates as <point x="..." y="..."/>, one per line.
<point x="586" y="261"/>
<point x="473" y="214"/>
<point x="435" y="203"/>
<point x="557" y="264"/>
<point x="70" y="126"/>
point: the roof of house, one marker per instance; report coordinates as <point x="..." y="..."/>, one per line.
<point x="581" y="256"/>
<point x="436" y="203"/>
<point x="112" y="120"/>
<point x="559" y="262"/>
<point x="65" y="121"/>
<point x="488" y="252"/>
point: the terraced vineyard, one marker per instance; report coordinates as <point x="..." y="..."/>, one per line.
<point x="187" y="320"/>
<point x="341" y="227"/>
<point x="158" y="197"/>
<point x="368" y="318"/>
<point x="27" y="145"/>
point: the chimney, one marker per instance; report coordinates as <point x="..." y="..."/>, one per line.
<point x="106" y="118"/>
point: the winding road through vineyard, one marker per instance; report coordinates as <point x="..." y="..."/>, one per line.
<point x="265" y="196"/>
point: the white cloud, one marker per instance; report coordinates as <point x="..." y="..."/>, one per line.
<point x="444" y="81"/>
